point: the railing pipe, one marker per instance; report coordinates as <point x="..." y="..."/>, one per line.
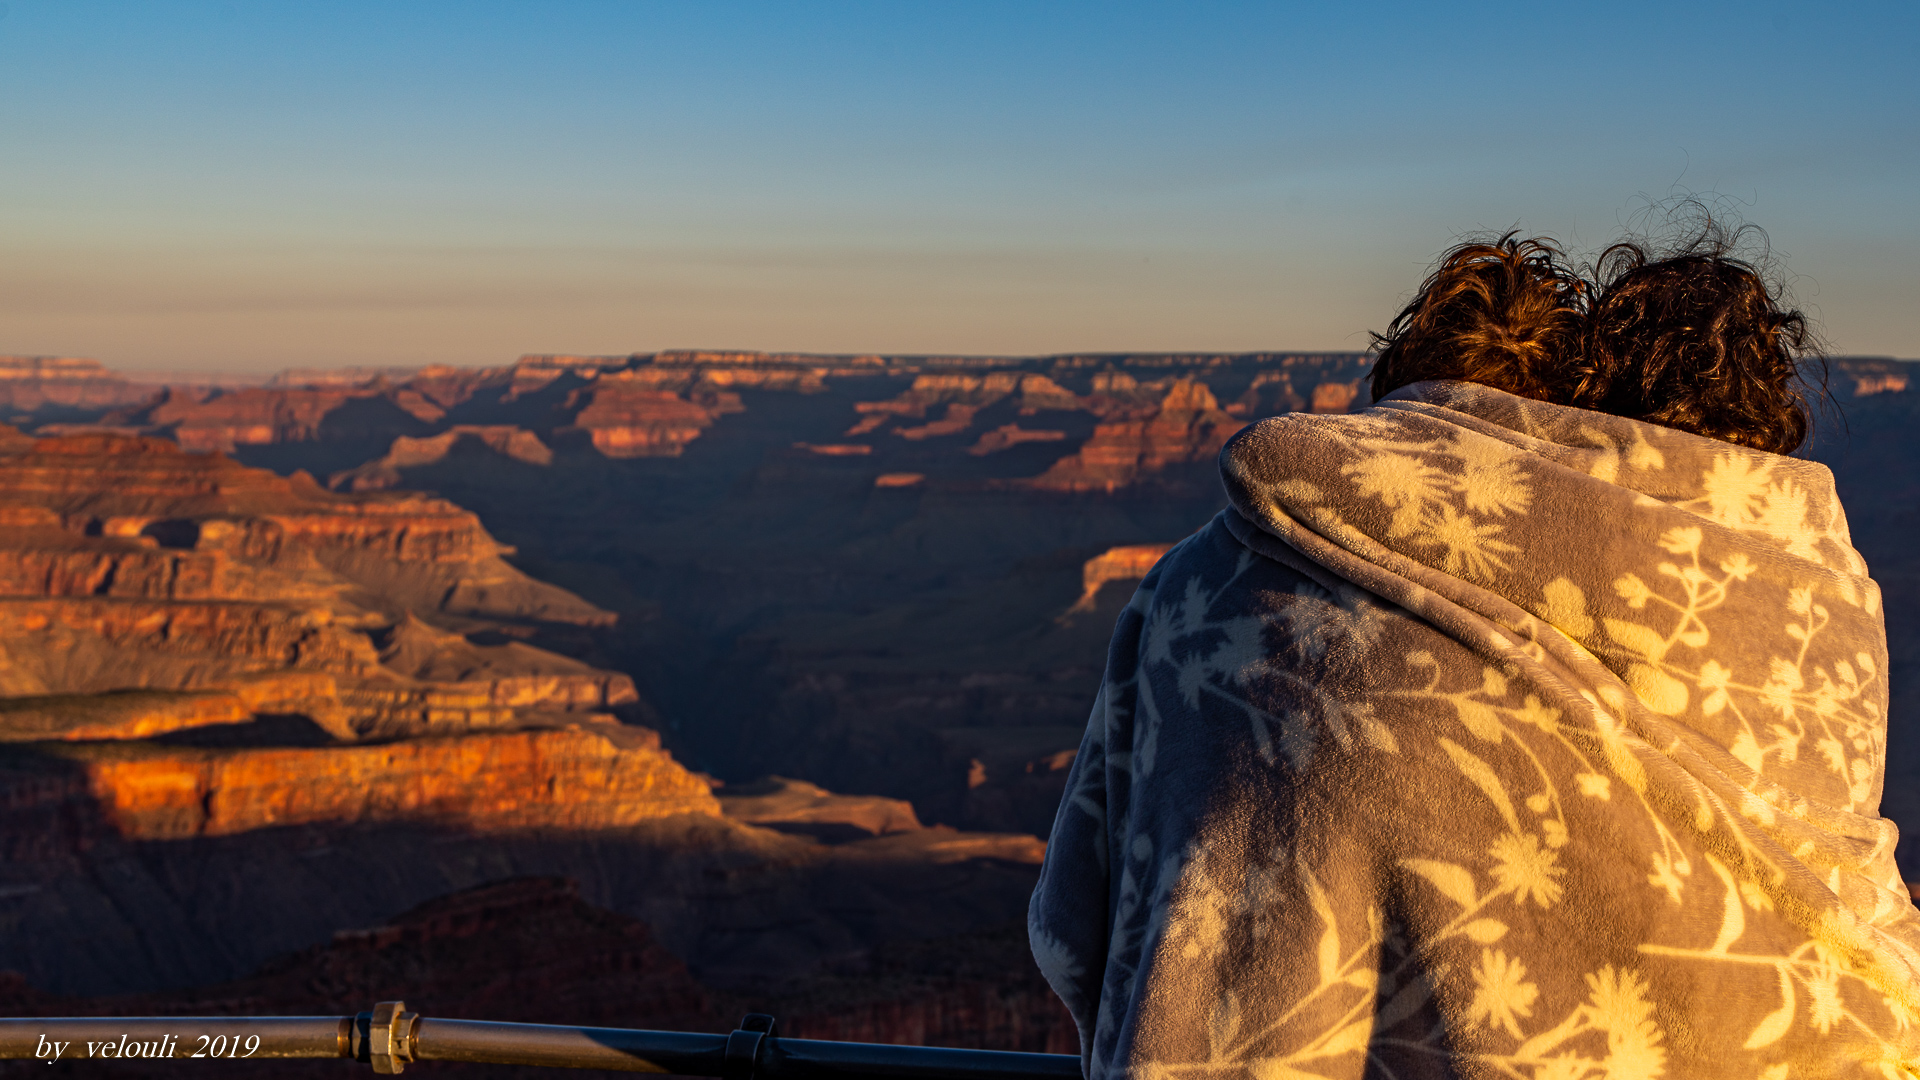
<point x="616" y="1049"/>
<point x="389" y="1038"/>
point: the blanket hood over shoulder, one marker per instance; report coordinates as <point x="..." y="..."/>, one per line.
<point x="1482" y="736"/>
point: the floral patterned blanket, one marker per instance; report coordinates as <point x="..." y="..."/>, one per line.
<point x="1485" y="737"/>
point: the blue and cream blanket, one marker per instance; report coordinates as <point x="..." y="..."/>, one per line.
<point x="1485" y="737"/>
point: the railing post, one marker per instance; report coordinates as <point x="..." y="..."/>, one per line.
<point x="390" y="1037"/>
<point x="743" y="1046"/>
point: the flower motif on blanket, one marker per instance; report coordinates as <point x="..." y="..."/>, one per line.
<point x="1491" y="737"/>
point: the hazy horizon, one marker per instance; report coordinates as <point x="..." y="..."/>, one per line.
<point x="252" y="377"/>
<point x="217" y="187"/>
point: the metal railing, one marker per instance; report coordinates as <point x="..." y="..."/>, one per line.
<point x="389" y="1038"/>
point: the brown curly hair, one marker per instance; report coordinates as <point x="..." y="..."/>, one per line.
<point x="1507" y="314"/>
<point x="1691" y="338"/>
<point x="1698" y="341"/>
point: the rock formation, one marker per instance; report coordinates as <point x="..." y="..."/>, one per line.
<point x="656" y="408"/>
<point x="31" y="383"/>
<point x="130" y="563"/>
<point x="1875" y="375"/>
<point x="1129" y="562"/>
<point x="626" y="417"/>
<point x="797" y="806"/>
<point x="654" y="405"/>
<point x="410" y="453"/>
<point x="962" y="395"/>
<point x="209" y="858"/>
<point x="593" y="775"/>
<point x="123" y="714"/>
<point x="227" y="419"/>
<point x="1136" y="440"/>
<point x="1007" y="436"/>
<point x="402" y="601"/>
<point x="179" y="837"/>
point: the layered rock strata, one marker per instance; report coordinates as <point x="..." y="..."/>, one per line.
<point x="748" y="509"/>
<point x="207" y="860"/>
<point x="655" y="405"/>
<point x="1136" y="439"/>
<point x="30" y="383"/>
<point x="132" y="563"/>
<point x="126" y="714"/>
<point x="410" y="453"/>
<point x="227" y="419"/>
<point x="631" y="418"/>
<point x="568" y="778"/>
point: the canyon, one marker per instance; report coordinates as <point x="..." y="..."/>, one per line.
<point x="256" y="723"/>
<point x="868" y="572"/>
<point x="754" y="676"/>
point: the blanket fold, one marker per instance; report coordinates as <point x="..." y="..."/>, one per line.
<point x="1486" y="737"/>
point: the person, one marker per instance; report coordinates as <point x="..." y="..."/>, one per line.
<point x="1529" y="723"/>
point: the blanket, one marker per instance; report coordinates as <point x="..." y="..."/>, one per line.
<point x="1486" y="737"/>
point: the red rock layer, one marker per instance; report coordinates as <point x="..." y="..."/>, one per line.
<point x="57" y="564"/>
<point x="1186" y="425"/>
<point x="132" y="714"/>
<point x="1127" y="563"/>
<point x="963" y="395"/>
<point x="627" y="421"/>
<point x="242" y="417"/>
<point x="568" y="778"/>
<point x="226" y="419"/>
<point x="509" y="676"/>
<point x="656" y="410"/>
<point x="1144" y="427"/>
<point x="128" y="562"/>
<point x="654" y="405"/>
<point x="414" y="550"/>
<point x="92" y="644"/>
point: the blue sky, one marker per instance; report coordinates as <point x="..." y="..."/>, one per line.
<point x="246" y="186"/>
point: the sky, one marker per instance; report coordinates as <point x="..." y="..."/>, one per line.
<point x="243" y="187"/>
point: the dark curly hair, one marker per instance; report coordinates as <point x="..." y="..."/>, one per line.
<point x="1689" y="337"/>
<point x="1697" y="340"/>
<point x="1506" y="313"/>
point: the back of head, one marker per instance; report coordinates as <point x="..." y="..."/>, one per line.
<point x="1695" y="340"/>
<point x="1507" y="314"/>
